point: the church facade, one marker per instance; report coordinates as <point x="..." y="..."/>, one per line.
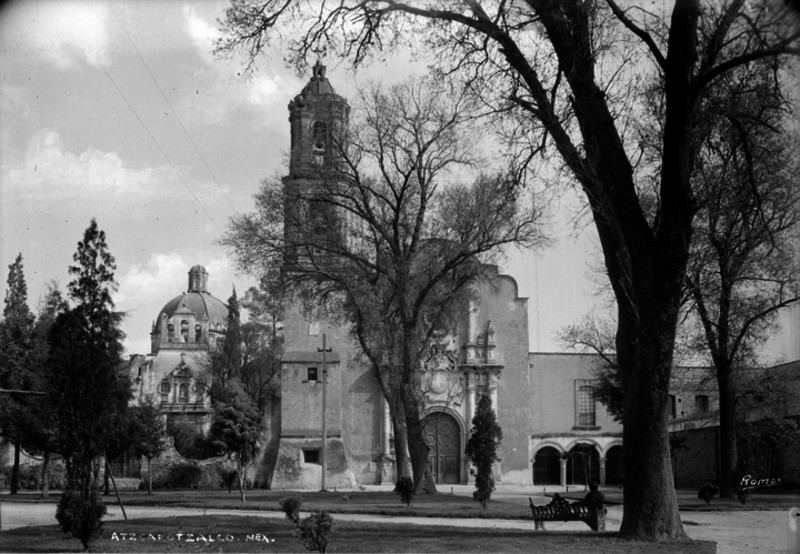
<point x="173" y="374"/>
<point x="544" y="403"/>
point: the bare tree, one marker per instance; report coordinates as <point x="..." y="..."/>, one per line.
<point x="566" y="70"/>
<point x="391" y="237"/>
<point x="743" y="267"/>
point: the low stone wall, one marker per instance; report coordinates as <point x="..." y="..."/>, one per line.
<point x="209" y="469"/>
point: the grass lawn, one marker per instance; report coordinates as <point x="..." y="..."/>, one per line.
<point x="253" y="534"/>
<point x="443" y="504"/>
<point x="373" y="502"/>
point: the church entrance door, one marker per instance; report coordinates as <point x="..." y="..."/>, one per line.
<point x="442" y="434"/>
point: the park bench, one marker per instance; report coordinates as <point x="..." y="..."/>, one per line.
<point x="596" y="519"/>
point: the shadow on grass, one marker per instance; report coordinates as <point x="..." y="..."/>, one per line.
<point x="254" y="534"/>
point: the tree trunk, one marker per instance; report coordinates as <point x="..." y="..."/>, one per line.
<point x="241" y="472"/>
<point x="45" y="474"/>
<point x="418" y="449"/>
<point x="402" y="459"/>
<point x="727" y="434"/>
<point x="106" y="472"/>
<point x="149" y="476"/>
<point x="651" y="506"/>
<point x="15" y="470"/>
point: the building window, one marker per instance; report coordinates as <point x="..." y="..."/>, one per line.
<point x="313" y="374"/>
<point x="198" y="333"/>
<point x="586" y="406"/>
<point x="183" y="393"/>
<point x="701" y="403"/>
<point x="185" y="330"/>
<point x="311" y="456"/>
<point x="200" y="388"/>
<point x="165" y="387"/>
<point x="170" y="332"/>
<point x="673" y="406"/>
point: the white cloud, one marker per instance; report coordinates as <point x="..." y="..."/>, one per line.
<point x="160" y="276"/>
<point x="52" y="175"/>
<point x="64" y="33"/>
<point x="229" y="90"/>
<point x="201" y="32"/>
<point x="165" y="275"/>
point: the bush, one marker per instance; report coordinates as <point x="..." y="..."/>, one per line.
<point x="189" y="443"/>
<point x="313" y="531"/>
<point x="291" y="507"/>
<point x="228" y="478"/>
<point x="30" y="476"/>
<point x="79" y="517"/>
<point x="180" y="476"/>
<point x="405" y="488"/>
<point x="707" y="492"/>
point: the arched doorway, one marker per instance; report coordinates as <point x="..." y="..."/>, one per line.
<point x="547" y="467"/>
<point x="614" y="467"/>
<point x="443" y="436"/>
<point x="583" y="465"/>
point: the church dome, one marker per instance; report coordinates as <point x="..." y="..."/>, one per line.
<point x="201" y="304"/>
<point x="192" y="319"/>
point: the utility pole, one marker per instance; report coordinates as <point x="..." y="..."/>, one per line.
<point x="324" y="351"/>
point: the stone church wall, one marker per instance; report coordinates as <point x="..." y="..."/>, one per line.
<point x="499" y="303"/>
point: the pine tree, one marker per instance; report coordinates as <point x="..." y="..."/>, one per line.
<point x="87" y="394"/>
<point x="16" y="352"/>
<point x="482" y="448"/>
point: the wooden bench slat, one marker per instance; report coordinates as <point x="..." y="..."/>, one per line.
<point x="568" y="512"/>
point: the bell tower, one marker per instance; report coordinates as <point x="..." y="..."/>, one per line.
<point x="318" y="119"/>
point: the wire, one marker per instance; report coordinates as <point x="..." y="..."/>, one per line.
<point x="174" y="113"/>
<point x="147" y="129"/>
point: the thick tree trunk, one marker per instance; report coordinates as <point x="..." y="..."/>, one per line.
<point x="651" y="506"/>
<point x="46" y="475"/>
<point x="418" y="451"/>
<point x="402" y="459"/>
<point x="15" y="470"/>
<point x="727" y="434"/>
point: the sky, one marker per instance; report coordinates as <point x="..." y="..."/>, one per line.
<point x="119" y="111"/>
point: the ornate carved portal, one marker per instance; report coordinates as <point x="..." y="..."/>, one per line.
<point x="450" y="389"/>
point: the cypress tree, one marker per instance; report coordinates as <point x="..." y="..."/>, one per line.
<point x="86" y="391"/>
<point x="482" y="448"/>
<point x="16" y="352"/>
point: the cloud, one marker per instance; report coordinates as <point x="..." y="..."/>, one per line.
<point x="50" y="175"/>
<point x="165" y="275"/>
<point x="65" y="33"/>
<point x="229" y="90"/>
<point x="201" y="32"/>
<point x="160" y="276"/>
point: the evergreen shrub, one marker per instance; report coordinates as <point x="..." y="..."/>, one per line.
<point x="81" y="517"/>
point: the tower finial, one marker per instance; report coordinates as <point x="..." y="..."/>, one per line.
<point x="319" y="69"/>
